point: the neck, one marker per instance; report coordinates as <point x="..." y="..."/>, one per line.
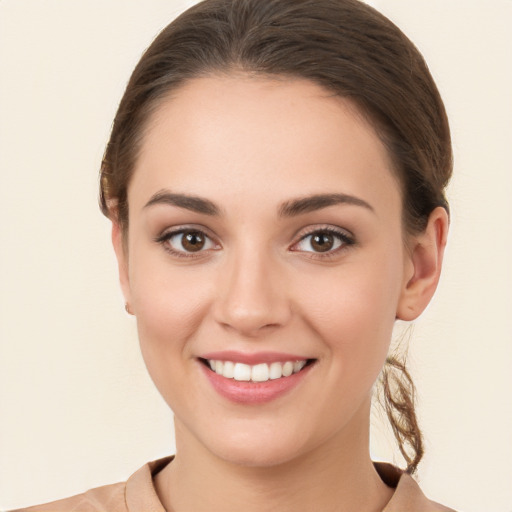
<point x="336" y="476"/>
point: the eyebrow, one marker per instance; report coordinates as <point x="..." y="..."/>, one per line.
<point x="289" y="208"/>
<point x="319" y="201"/>
<point x="192" y="203"/>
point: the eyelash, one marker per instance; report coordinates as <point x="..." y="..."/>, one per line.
<point x="166" y="236"/>
<point x="345" y="239"/>
<point x="341" y="235"/>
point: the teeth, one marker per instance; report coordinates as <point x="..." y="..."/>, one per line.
<point x="287" y="369"/>
<point x="257" y="373"/>
<point x="260" y="373"/>
<point x="228" y="370"/>
<point x="298" y="365"/>
<point x="276" y="370"/>
<point x="242" y="372"/>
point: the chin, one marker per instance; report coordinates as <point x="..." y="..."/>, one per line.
<point x="257" y="456"/>
<point x="257" y="447"/>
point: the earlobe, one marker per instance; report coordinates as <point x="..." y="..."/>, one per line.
<point x="122" y="259"/>
<point x="424" y="264"/>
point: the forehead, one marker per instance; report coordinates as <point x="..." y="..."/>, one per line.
<point x="227" y="132"/>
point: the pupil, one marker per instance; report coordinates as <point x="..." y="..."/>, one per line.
<point x="193" y="241"/>
<point x="322" y="242"/>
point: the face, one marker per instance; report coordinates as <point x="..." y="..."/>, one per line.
<point x="265" y="238"/>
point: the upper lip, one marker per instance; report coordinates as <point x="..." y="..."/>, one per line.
<point x="253" y="358"/>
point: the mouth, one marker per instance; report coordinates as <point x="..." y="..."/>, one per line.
<point x="257" y="373"/>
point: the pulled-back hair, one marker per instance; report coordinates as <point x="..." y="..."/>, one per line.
<point x="343" y="45"/>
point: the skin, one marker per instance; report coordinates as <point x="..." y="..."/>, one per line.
<point x="250" y="145"/>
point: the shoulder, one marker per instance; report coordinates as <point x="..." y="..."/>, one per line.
<point x="137" y="493"/>
<point x="407" y="496"/>
<point x="109" y="498"/>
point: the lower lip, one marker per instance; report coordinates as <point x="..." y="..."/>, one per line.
<point x="254" y="392"/>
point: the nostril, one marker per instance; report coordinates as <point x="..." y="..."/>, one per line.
<point x="251" y="301"/>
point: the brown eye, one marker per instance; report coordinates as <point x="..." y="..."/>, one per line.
<point x="322" y="242"/>
<point x="184" y="242"/>
<point x="193" y="241"/>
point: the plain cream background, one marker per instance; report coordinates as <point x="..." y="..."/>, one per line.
<point x="77" y="408"/>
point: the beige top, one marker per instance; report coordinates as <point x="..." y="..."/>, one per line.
<point x="138" y="494"/>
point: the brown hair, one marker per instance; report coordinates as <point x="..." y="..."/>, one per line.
<point x="343" y="45"/>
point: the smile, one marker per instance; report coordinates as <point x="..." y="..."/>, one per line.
<point x="256" y="373"/>
<point x="254" y="378"/>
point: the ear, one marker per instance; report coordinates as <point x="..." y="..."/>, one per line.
<point x="423" y="266"/>
<point x="121" y="250"/>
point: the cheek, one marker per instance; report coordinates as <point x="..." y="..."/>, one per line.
<point x="353" y="310"/>
<point x="169" y="305"/>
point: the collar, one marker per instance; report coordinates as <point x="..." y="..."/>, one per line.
<point x="141" y="496"/>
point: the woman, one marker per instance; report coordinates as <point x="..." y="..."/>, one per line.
<point x="275" y="180"/>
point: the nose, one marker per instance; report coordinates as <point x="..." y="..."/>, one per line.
<point x="252" y="296"/>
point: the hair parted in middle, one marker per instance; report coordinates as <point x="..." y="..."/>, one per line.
<point x="349" y="49"/>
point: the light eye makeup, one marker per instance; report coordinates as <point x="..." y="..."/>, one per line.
<point x="318" y="242"/>
<point x="324" y="242"/>
<point x="187" y="242"/>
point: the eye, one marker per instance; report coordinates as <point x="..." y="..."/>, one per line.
<point x="185" y="242"/>
<point x="323" y="241"/>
